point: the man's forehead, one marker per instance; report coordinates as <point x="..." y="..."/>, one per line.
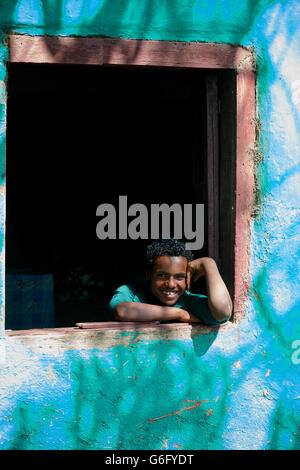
<point x="170" y="263"/>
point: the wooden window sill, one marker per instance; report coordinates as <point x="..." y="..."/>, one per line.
<point x="102" y="327"/>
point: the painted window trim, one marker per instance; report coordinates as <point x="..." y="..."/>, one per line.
<point x="152" y="53"/>
<point x="119" y="327"/>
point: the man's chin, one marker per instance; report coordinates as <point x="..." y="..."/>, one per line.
<point x="168" y="302"/>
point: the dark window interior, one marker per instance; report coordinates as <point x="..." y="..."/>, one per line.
<point x="77" y="137"/>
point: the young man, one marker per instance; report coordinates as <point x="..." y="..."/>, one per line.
<point x="165" y="296"/>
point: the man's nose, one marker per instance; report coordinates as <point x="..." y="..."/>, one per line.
<point x="171" y="282"/>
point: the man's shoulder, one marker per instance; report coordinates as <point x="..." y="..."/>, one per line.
<point x="189" y="294"/>
<point x="125" y="288"/>
<point x="135" y="292"/>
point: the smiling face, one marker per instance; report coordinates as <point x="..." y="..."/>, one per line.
<point x="168" y="278"/>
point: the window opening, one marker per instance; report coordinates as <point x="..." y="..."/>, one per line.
<point x="79" y="136"/>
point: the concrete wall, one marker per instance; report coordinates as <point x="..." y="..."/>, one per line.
<point x="177" y="387"/>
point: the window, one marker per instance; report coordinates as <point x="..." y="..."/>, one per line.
<point x="88" y="112"/>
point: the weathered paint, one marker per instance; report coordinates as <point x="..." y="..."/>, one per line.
<point x="233" y="388"/>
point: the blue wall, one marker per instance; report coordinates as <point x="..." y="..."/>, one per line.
<point x="236" y="388"/>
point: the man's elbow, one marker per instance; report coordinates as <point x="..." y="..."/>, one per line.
<point x="223" y="312"/>
<point x="226" y="316"/>
<point x="120" y="312"/>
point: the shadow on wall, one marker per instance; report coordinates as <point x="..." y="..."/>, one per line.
<point x="275" y="245"/>
<point x="128" y="398"/>
<point x="96" y="407"/>
<point x="145" y="397"/>
<point x="202" y="342"/>
<point x="131" y="19"/>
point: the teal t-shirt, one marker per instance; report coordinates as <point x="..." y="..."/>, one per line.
<point x="195" y="304"/>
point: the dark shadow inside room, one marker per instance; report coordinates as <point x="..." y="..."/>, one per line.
<point x="78" y="137"/>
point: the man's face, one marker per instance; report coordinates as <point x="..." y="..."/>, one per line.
<point x="168" y="278"/>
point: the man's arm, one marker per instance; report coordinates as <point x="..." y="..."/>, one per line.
<point x="219" y="300"/>
<point x="137" y="311"/>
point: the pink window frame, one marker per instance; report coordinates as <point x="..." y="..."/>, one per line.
<point x="129" y="52"/>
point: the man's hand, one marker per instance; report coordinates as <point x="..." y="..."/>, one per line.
<point x="195" y="270"/>
<point x="219" y="300"/>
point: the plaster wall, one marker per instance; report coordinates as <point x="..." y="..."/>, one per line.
<point x="182" y="387"/>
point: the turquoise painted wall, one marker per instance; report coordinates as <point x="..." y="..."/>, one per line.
<point x="237" y="388"/>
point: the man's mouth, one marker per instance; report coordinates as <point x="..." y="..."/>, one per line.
<point x="169" y="293"/>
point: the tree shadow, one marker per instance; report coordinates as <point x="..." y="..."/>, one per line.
<point x="203" y="339"/>
<point x="98" y="401"/>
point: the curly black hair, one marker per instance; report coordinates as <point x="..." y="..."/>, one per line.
<point x="165" y="247"/>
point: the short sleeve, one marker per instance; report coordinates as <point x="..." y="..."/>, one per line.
<point x="123" y="294"/>
<point x="197" y="304"/>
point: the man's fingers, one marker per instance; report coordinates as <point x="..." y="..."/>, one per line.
<point x="188" y="280"/>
